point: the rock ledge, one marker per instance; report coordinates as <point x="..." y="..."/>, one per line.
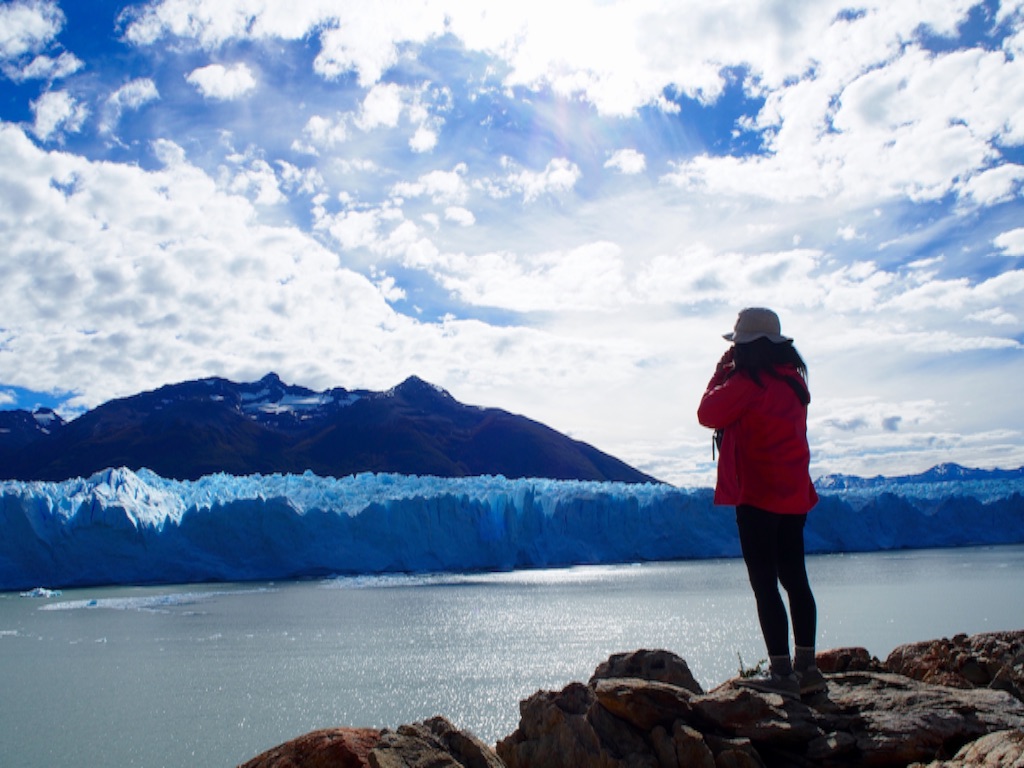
<point x="955" y="703"/>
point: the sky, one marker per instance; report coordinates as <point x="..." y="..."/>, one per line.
<point x="553" y="209"/>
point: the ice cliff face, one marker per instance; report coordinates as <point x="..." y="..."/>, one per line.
<point x="120" y="526"/>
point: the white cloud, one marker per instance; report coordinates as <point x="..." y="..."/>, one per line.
<point x="368" y="42"/>
<point x="215" y="81"/>
<point x="150" y="272"/>
<point x="630" y="55"/>
<point x="423" y="140"/>
<point x="214" y="24"/>
<point x="305" y="180"/>
<point x="28" y="27"/>
<point x="134" y="94"/>
<point x="169" y="153"/>
<point x="57" y="112"/>
<point x="616" y="65"/>
<point x="560" y="175"/>
<point x="382" y="106"/>
<point x="995" y="316"/>
<point x="585" y="278"/>
<point x="354" y="228"/>
<point x="254" y="178"/>
<point x="862" y="413"/>
<point x="441" y="186"/>
<point x="461" y="216"/>
<point x="389" y="290"/>
<point x="872" y="120"/>
<point x="354" y="37"/>
<point x="1011" y="243"/>
<point x="627" y="161"/>
<point x="131" y="95"/>
<point x="44" y="67"/>
<point x="322" y="133"/>
<point x="994" y="185"/>
<point x="385" y="104"/>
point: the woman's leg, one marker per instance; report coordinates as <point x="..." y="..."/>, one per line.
<point x="793" y="577"/>
<point x="759" y="541"/>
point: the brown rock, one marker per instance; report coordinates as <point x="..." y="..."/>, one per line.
<point x="831" y="748"/>
<point x="329" y="748"/>
<point x="434" y="743"/>
<point x="664" y="748"/>
<point x="865" y="719"/>
<point x="621" y="740"/>
<point x="734" y="753"/>
<point x="643" y="703"/>
<point x="991" y="659"/>
<point x="554" y="731"/>
<point x="763" y="718"/>
<point x="848" y="660"/>
<point x="897" y="720"/>
<point x="691" y="749"/>
<point x="656" y="666"/>
<point x="1003" y="749"/>
<point x="641" y="710"/>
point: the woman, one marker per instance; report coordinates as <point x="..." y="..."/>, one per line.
<point x="757" y="403"/>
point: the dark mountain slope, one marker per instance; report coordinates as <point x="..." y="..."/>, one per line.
<point x="187" y="430"/>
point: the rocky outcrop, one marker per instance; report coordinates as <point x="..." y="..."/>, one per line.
<point x="991" y="660"/>
<point x="1004" y="749"/>
<point x="927" y="706"/>
<point x="869" y="716"/>
<point x="434" y="743"/>
<point x="328" y="748"/>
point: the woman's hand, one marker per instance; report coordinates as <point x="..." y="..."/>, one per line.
<point x="725" y="364"/>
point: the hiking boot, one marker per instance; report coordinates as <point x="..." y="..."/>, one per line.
<point x="787" y="686"/>
<point x="811" y="681"/>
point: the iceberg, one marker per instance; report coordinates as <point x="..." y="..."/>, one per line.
<point x="124" y="527"/>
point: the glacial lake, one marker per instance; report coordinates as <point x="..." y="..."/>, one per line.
<point x="214" y="674"/>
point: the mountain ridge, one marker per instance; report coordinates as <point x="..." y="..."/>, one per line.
<point x="271" y="419"/>
<point x="947" y="472"/>
<point x="194" y="428"/>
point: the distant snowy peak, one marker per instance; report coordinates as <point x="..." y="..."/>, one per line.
<point x="271" y="396"/>
<point x="46" y="418"/>
<point x="414" y="386"/>
<point x="20" y="427"/>
<point x="940" y="482"/>
<point x="267" y="400"/>
<point x="942" y="473"/>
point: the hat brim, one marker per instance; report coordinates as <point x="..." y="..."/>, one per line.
<point x="739" y="337"/>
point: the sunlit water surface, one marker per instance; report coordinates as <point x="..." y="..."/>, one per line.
<point x="212" y="675"/>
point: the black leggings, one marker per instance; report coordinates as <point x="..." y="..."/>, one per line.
<point x="773" y="549"/>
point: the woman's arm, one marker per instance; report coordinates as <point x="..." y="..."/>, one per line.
<point x="726" y="396"/>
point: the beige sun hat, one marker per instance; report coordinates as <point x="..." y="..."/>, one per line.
<point x="756" y="323"/>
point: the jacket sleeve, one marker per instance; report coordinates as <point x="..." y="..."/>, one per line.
<point x="724" y="401"/>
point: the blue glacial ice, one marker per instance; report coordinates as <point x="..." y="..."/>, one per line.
<point x="123" y="527"/>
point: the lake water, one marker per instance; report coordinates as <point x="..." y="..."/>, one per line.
<point x="212" y="675"/>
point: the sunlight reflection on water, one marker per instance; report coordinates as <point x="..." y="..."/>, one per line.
<point x="160" y="675"/>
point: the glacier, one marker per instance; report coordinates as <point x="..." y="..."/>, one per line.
<point x="124" y="527"/>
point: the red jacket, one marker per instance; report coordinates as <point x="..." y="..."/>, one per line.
<point x="764" y="457"/>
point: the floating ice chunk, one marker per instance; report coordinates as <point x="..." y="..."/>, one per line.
<point x="152" y="603"/>
<point x="41" y="592"/>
